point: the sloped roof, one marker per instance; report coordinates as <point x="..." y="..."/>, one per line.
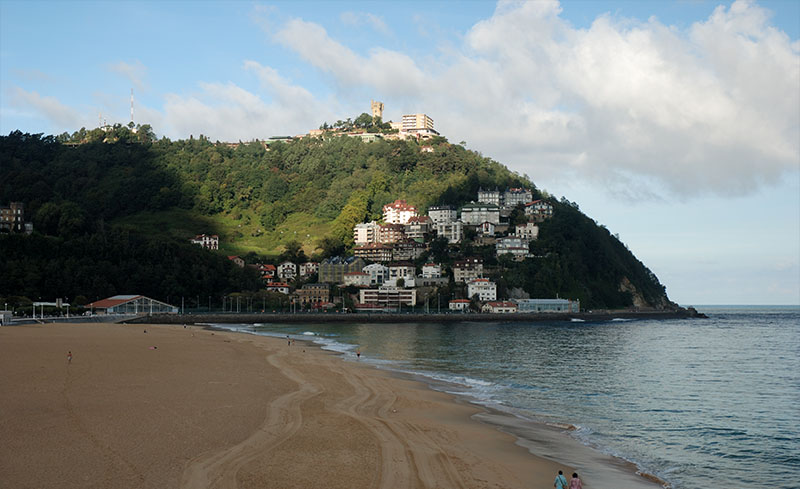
<point x="114" y="301"/>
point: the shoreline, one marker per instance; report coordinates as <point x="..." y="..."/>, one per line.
<point x="165" y="406"/>
<point x="290" y="318"/>
<point x="550" y="441"/>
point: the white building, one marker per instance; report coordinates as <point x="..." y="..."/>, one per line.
<point x="418" y="227"/>
<point x="405" y="271"/>
<point x="442" y="214"/>
<point x="476" y="214"/>
<point x="208" y="242"/>
<point x="529" y="231"/>
<point x="308" y="268"/>
<point x="489" y="196"/>
<point x="416" y="122"/>
<point x="514" y="245"/>
<point x="502" y="307"/>
<point x="459" y="305"/>
<point x="431" y="270"/>
<point x="485" y="289"/>
<point x="392" y="297"/>
<point x="287" y="270"/>
<point x="548" y="305"/>
<point x="514" y="196"/>
<point x="539" y="209"/>
<point x="365" y="233"/>
<point x="398" y="212"/>
<point x="131" y="304"/>
<point x="486" y="228"/>
<point x="359" y="279"/>
<point x="452" y="231"/>
<point x="280" y="287"/>
<point x="378" y="274"/>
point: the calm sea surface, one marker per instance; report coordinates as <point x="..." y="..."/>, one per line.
<point x="699" y="403"/>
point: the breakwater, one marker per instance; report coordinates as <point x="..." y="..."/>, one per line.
<point x="293" y="318"/>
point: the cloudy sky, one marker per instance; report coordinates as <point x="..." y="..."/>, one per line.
<point x="674" y="124"/>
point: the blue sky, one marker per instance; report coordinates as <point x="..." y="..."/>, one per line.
<point x="674" y="124"/>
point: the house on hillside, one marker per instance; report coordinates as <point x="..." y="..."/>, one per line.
<point x="237" y="260"/>
<point x="467" y="269"/>
<point x="539" y="210"/>
<point x="209" y="242"/>
<point x="308" y="268"/>
<point x="398" y="212"/>
<point x="287" y="270"/>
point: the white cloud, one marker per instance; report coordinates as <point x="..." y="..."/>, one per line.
<point x="712" y="108"/>
<point x="357" y="19"/>
<point x="135" y="72"/>
<point x="228" y="112"/>
<point x="47" y="107"/>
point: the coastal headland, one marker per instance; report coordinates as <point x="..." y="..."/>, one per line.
<point x="288" y="318"/>
<point x="189" y="407"/>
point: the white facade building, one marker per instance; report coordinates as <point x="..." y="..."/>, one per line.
<point x="392" y="297"/>
<point x="514" y="245"/>
<point x="398" y="212"/>
<point x="452" y="231"/>
<point x="514" y="196"/>
<point x="476" y="214"/>
<point x="529" y="231"/>
<point x="287" y="270"/>
<point x="358" y="279"/>
<point x="378" y="274"/>
<point x="405" y="271"/>
<point x="431" y="270"/>
<point x="365" y="233"/>
<point x="485" y="289"/>
<point x="442" y="214"/>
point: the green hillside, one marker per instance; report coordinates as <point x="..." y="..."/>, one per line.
<point x="155" y="195"/>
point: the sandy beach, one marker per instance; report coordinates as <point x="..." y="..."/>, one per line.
<point x="193" y="408"/>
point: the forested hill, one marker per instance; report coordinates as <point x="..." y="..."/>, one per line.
<point x="115" y="216"/>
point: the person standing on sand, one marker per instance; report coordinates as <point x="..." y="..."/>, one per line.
<point x="561" y="481"/>
<point x="575" y="482"/>
<point x="69" y="357"/>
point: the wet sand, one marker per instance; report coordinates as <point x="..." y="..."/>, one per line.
<point x="193" y="408"/>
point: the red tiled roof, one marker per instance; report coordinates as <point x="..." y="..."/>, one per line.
<point x="113" y="301"/>
<point x="460" y="301"/>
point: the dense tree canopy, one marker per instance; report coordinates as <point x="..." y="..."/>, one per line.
<point x="114" y="207"/>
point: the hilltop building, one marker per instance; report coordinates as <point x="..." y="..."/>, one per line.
<point x="377" y="109"/>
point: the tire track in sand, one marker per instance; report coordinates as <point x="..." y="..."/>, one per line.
<point x="219" y="469"/>
<point x="409" y="456"/>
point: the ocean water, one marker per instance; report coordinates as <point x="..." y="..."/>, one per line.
<point x="697" y="402"/>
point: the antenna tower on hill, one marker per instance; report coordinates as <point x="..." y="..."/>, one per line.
<point x="131" y="105"/>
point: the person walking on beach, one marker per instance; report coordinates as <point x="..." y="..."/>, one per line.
<point x="69" y="357"/>
<point x="575" y="482"/>
<point x="561" y="481"/>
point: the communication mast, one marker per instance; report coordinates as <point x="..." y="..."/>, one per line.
<point x="132" y="107"/>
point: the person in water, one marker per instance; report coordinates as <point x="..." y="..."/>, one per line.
<point x="575" y="482"/>
<point x="561" y="481"/>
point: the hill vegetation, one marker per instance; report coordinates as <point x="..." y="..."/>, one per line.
<point x="114" y="214"/>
